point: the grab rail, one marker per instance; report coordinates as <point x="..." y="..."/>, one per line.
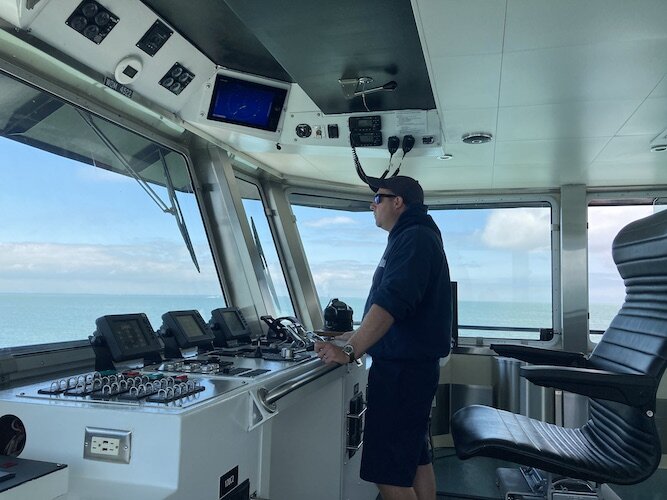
<point x="268" y="397"/>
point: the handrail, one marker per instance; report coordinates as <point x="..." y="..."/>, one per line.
<point x="268" y="397"/>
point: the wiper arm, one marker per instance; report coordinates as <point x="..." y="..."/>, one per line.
<point x="174" y="209"/>
<point x="177" y="213"/>
<point x="265" y="265"/>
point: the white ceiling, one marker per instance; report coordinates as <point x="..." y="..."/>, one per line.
<point x="573" y="92"/>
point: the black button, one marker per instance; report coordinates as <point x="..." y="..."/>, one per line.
<point x="332" y="131"/>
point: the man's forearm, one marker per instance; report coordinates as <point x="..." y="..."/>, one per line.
<point x="375" y="324"/>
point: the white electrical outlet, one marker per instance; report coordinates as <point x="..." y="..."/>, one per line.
<point x="109" y="445"/>
<point x="104" y="446"/>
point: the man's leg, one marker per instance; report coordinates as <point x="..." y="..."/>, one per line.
<point x="424" y="484"/>
<point x="390" y="492"/>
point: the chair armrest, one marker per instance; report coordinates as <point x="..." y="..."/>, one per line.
<point x="540" y="356"/>
<point x="630" y="389"/>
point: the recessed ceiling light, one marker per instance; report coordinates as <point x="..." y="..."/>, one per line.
<point x="477" y="138"/>
<point x="445" y="157"/>
<point x="659" y="148"/>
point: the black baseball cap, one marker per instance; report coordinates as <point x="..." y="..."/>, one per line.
<point x="401" y="185"/>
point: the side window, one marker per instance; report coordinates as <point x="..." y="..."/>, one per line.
<point x="501" y="259"/>
<point x="266" y="247"/>
<point x="343" y="249"/>
<point x="606" y="291"/>
<point x="84" y="229"/>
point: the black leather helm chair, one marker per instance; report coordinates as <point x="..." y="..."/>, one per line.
<point x="619" y="443"/>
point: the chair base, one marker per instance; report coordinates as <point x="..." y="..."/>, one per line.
<point x="528" y="483"/>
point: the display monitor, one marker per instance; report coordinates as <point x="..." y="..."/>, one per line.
<point x="230" y="326"/>
<point x="188" y="328"/>
<point x="128" y="336"/>
<point x="246" y="103"/>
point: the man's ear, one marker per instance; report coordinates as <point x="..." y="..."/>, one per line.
<point x="398" y="202"/>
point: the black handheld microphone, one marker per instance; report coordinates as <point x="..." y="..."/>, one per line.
<point x="408" y="143"/>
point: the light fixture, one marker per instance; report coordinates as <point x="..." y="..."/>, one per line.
<point x="445" y="157"/>
<point x="92" y="20"/>
<point x="176" y="79"/>
<point x="477" y="138"/>
<point x="658" y="148"/>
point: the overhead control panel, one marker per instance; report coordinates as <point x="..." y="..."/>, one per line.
<point x="304" y="131"/>
<point x="126" y="44"/>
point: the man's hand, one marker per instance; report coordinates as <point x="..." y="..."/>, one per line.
<point x="330" y="353"/>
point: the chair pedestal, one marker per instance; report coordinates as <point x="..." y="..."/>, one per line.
<point x="528" y="483"/>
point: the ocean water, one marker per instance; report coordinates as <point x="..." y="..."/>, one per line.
<point x="27" y="319"/>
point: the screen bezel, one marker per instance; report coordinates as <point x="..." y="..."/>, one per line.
<point x="223" y="332"/>
<point x="173" y="326"/>
<point x="106" y="328"/>
<point x="277" y="104"/>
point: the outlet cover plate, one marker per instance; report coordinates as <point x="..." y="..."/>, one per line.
<point x="124" y="444"/>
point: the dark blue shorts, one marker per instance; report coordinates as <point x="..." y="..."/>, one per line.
<point x="400" y="394"/>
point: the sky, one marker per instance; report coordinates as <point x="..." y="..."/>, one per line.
<point x="69" y="227"/>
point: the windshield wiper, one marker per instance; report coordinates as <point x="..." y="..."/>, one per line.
<point x="265" y="264"/>
<point x="174" y="209"/>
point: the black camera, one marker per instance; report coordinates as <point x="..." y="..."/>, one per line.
<point x="338" y="316"/>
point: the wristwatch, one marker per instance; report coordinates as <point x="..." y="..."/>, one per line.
<point x="349" y="350"/>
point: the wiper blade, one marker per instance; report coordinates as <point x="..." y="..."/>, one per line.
<point x="265" y="264"/>
<point x="174" y="209"/>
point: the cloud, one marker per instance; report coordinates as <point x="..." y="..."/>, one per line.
<point x="518" y="229"/>
<point x="159" y="268"/>
<point x="604" y="223"/>
<point x="343" y="278"/>
<point x="338" y="220"/>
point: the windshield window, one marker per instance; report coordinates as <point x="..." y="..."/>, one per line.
<point x="500" y="257"/>
<point x="81" y="237"/>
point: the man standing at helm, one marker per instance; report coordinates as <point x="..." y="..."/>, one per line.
<point x="406" y="329"/>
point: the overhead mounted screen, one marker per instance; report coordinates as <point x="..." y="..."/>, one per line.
<point x="246" y="103"/>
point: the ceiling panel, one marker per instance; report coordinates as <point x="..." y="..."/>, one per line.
<point x="650" y="118"/>
<point x="661" y="89"/>
<point x="319" y="43"/>
<point x="570" y="119"/>
<point x="554" y="152"/>
<point x="583" y="73"/>
<point x="632" y="149"/>
<point x="442" y="20"/>
<point x="537" y="24"/>
<point x="454" y="87"/>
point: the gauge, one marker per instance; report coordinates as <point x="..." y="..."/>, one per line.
<point x="303" y="130"/>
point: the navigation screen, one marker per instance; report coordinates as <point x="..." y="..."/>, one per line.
<point x="246" y="103"/>
<point x="190" y="327"/>
<point x="129" y="334"/>
<point x="234" y="323"/>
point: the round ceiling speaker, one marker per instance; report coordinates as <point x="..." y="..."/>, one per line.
<point x="477" y="138"/>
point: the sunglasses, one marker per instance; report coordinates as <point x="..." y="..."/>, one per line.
<point x="377" y="199"/>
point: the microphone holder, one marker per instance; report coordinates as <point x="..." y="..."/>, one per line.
<point x="356" y="87"/>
